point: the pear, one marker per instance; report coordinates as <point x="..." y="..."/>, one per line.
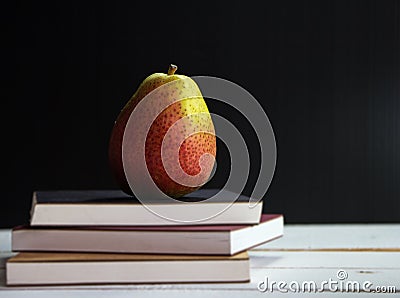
<point x="190" y="112"/>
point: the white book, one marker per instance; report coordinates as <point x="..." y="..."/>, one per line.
<point x="209" y="239"/>
<point x="115" y="208"/>
<point x="92" y="268"/>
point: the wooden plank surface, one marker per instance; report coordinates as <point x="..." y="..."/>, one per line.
<point x="5" y="240"/>
<point x="306" y="253"/>
<point x="337" y="237"/>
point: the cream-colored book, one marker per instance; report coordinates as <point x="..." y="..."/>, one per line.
<point x="97" y="268"/>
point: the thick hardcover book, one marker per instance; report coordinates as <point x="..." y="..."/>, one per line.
<point x="212" y="240"/>
<point x="96" y="268"/>
<point x="115" y="208"/>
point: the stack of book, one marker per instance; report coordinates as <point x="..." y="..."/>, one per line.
<point x="105" y="237"/>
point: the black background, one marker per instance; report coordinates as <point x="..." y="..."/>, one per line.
<point x="326" y="72"/>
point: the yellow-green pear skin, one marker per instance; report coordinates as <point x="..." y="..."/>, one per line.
<point x="191" y="149"/>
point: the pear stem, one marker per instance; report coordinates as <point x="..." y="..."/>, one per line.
<point x="172" y="68"/>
